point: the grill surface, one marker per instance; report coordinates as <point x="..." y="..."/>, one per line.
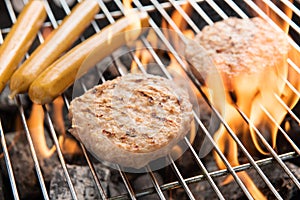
<point x="208" y="12"/>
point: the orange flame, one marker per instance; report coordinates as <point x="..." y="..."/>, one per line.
<point x="223" y="139"/>
<point x="273" y="15"/>
<point x="268" y="116"/>
<point x="265" y="116"/>
<point x="68" y="145"/>
<point x="36" y="127"/>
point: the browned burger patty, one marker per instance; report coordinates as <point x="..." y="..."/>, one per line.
<point x="131" y="120"/>
<point x="249" y="54"/>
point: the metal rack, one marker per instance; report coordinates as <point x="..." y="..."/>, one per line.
<point x="155" y="6"/>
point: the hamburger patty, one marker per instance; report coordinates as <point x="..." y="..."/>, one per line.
<point x="249" y="54"/>
<point x="131" y="120"/>
<point x="251" y="57"/>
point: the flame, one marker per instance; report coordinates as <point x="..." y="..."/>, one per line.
<point x="36" y="128"/>
<point x="230" y="149"/>
<point x="68" y="145"/>
<point x="273" y="15"/>
<point x="37" y="131"/>
<point x="127" y="4"/>
<point x="223" y="139"/>
<point x="269" y="115"/>
<point x="266" y="114"/>
<point x="238" y="125"/>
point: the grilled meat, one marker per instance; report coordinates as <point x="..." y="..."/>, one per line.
<point x="131" y="120"/>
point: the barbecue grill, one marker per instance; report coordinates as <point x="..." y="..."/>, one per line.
<point x="203" y="13"/>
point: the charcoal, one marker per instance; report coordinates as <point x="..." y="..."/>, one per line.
<point x="83" y="182"/>
<point x="2" y="189"/>
<point x="143" y="181"/>
<point x="23" y="167"/>
<point x="115" y="184"/>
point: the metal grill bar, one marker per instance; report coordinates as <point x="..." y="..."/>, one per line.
<point x="185" y="16"/>
<point x="32" y="150"/>
<point x="270" y="149"/>
<point x="8" y="164"/>
<point x="60" y="155"/>
<point x="260" y="172"/>
<point x="282" y="131"/>
<point x="155" y="183"/>
<point x="217" y="9"/>
<point x="200" y="11"/>
<point x="214" y="174"/>
<point x="92" y="169"/>
<point x="291" y="6"/>
<point x="267" y="18"/>
<point x="183" y="182"/>
<point x="283" y="16"/>
<point x="170" y="21"/>
<point x="288" y="109"/>
<point x="127" y="184"/>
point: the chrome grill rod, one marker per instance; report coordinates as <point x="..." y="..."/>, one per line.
<point x="159" y="62"/>
<point x="214" y="174"/>
<point x="283" y="15"/>
<point x="99" y="187"/>
<point x="247" y="154"/>
<point x="32" y="150"/>
<point x="21" y="110"/>
<point x="266" y="144"/>
<point x="291" y="6"/>
<point x="293" y="65"/>
<point x="233" y="167"/>
<point x="255" y="8"/>
<point x="8" y="164"/>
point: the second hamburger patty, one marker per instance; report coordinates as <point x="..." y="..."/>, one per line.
<point x="250" y="55"/>
<point x="134" y="114"/>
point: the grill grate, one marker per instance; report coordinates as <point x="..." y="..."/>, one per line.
<point x="153" y="6"/>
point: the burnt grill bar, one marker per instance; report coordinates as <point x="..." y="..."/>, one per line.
<point x="182" y="182"/>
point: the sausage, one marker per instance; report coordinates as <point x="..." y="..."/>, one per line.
<point x="20" y="38"/>
<point x="54" y="45"/>
<point x="62" y="73"/>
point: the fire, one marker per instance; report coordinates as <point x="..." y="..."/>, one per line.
<point x="68" y="145"/>
<point x="265" y="116"/>
<point x="225" y="142"/>
<point x="36" y="127"/>
<point x="37" y="131"/>
<point x="235" y="121"/>
<point x="273" y="15"/>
